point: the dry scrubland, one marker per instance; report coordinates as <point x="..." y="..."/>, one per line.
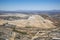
<point x="32" y="21"/>
<point x="27" y="27"/>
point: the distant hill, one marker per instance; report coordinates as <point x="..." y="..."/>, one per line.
<point x="31" y="12"/>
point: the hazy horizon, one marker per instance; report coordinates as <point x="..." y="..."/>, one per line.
<point x="13" y="5"/>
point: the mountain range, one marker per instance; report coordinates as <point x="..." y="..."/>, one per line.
<point x="31" y="12"/>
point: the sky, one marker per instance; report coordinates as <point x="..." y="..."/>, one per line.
<point x="12" y="5"/>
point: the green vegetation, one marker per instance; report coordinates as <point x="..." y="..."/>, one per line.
<point x="28" y="27"/>
<point x="1" y="33"/>
<point x="19" y="31"/>
<point x="33" y="34"/>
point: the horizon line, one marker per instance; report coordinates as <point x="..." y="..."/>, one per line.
<point x="30" y="10"/>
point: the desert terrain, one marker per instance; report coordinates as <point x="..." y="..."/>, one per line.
<point x="22" y="26"/>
